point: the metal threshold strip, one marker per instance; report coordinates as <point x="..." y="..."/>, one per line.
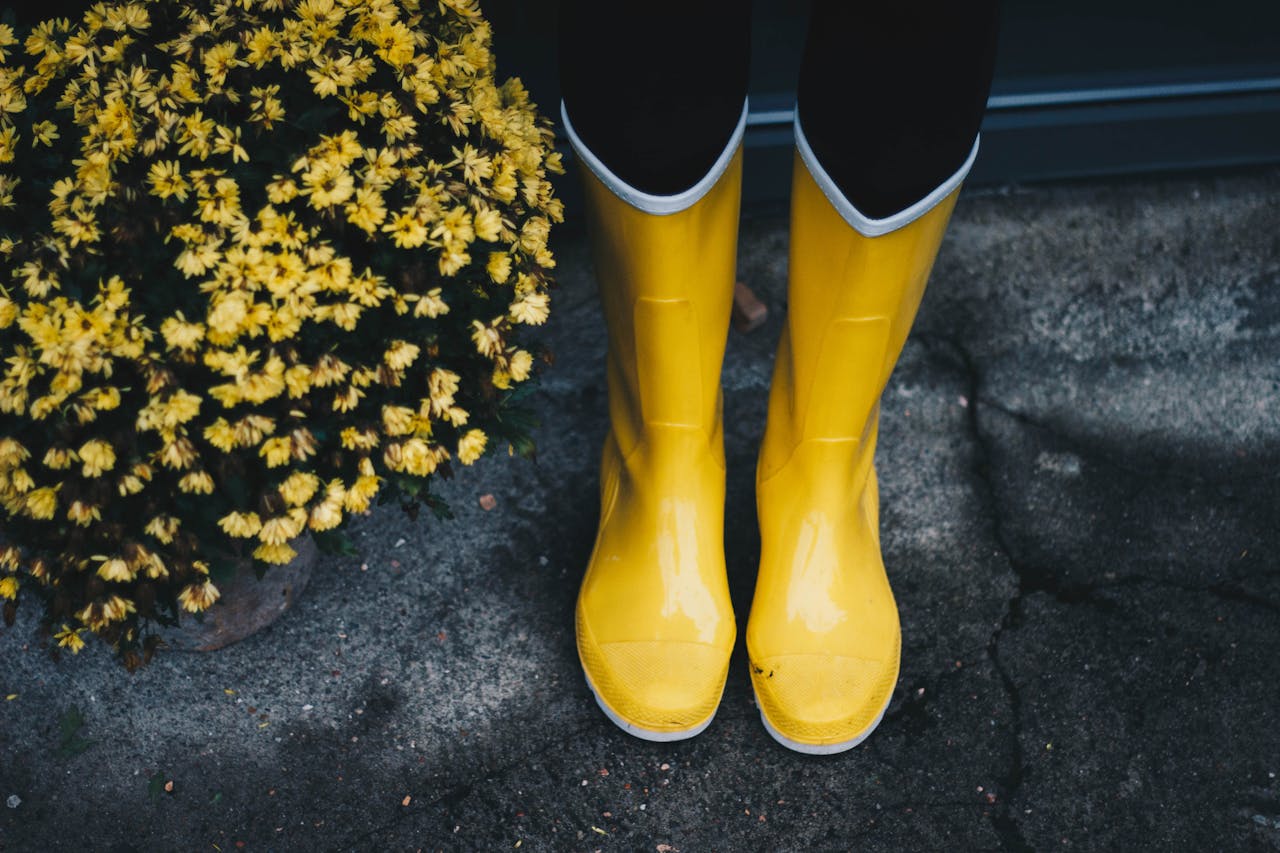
<point x="1079" y="97"/>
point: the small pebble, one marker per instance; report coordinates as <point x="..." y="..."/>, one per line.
<point x="748" y="311"/>
<point x="14" y="801"/>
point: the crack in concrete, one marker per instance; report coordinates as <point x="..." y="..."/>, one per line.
<point x="1042" y="580"/>
<point x="910" y="707"/>
<point x="1039" y="579"/>
<point x="1002" y="816"/>
<point x="1032" y="579"/>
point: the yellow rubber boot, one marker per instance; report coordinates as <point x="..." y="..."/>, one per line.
<point x="655" y="624"/>
<point x="823" y="635"/>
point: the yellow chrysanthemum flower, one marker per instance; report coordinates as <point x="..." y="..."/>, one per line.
<point x="198" y="596"/>
<point x="401" y="354"/>
<point x="367" y="211"/>
<point x="327" y="514"/>
<point x="487" y="338"/>
<point x="499" y="267"/>
<point x="42" y="504"/>
<point x="277" y="553"/>
<point x="69" y="638"/>
<point x="531" y="309"/>
<point x="299" y="487"/>
<point x="277" y="451"/>
<point x="520" y="365"/>
<point x="282" y="191"/>
<point x="431" y="304"/>
<point x="164" y="528"/>
<point x="241" y="524"/>
<point x="43" y="133"/>
<point x="196" y="483"/>
<point x="60" y="458"/>
<point x="407" y="230"/>
<point x="115" y="570"/>
<point x="221" y="435"/>
<point x="361" y="493"/>
<point x="165" y="178"/>
<point x="97" y="457"/>
<point x="471" y="446"/>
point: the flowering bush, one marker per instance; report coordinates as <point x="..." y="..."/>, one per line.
<point x="264" y="262"/>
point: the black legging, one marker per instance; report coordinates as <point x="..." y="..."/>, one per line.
<point x="890" y="94"/>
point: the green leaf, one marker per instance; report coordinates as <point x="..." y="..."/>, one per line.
<point x="71" y="721"/>
<point x="222" y="568"/>
<point x="70" y="743"/>
<point x="439" y="507"/>
<point x="238" y="489"/>
<point x="525" y="447"/>
<point x="335" y="542"/>
<point x="155" y="785"/>
<point x="521" y="392"/>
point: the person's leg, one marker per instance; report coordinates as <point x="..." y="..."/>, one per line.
<point x="654" y="105"/>
<point x="654" y="94"/>
<point x="891" y="95"/>
<point x="889" y="103"/>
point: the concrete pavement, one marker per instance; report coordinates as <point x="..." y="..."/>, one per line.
<point x="1081" y="518"/>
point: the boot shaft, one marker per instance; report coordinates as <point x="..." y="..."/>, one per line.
<point x="851" y="301"/>
<point x="666" y="290"/>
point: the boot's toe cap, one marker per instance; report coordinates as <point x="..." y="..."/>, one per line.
<point x="821" y="703"/>
<point x="658" y="690"/>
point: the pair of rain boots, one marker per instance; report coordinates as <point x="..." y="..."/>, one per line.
<point x="654" y="622"/>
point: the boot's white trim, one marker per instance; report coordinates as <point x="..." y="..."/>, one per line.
<point x="659" y="205"/>
<point x="819" y="749"/>
<point x="859" y="221"/>
<point x="650" y="734"/>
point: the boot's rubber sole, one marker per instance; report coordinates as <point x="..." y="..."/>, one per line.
<point x="824" y="748"/>
<point x="648" y="734"/>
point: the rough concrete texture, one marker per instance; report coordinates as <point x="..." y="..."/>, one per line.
<point x="1078" y="465"/>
